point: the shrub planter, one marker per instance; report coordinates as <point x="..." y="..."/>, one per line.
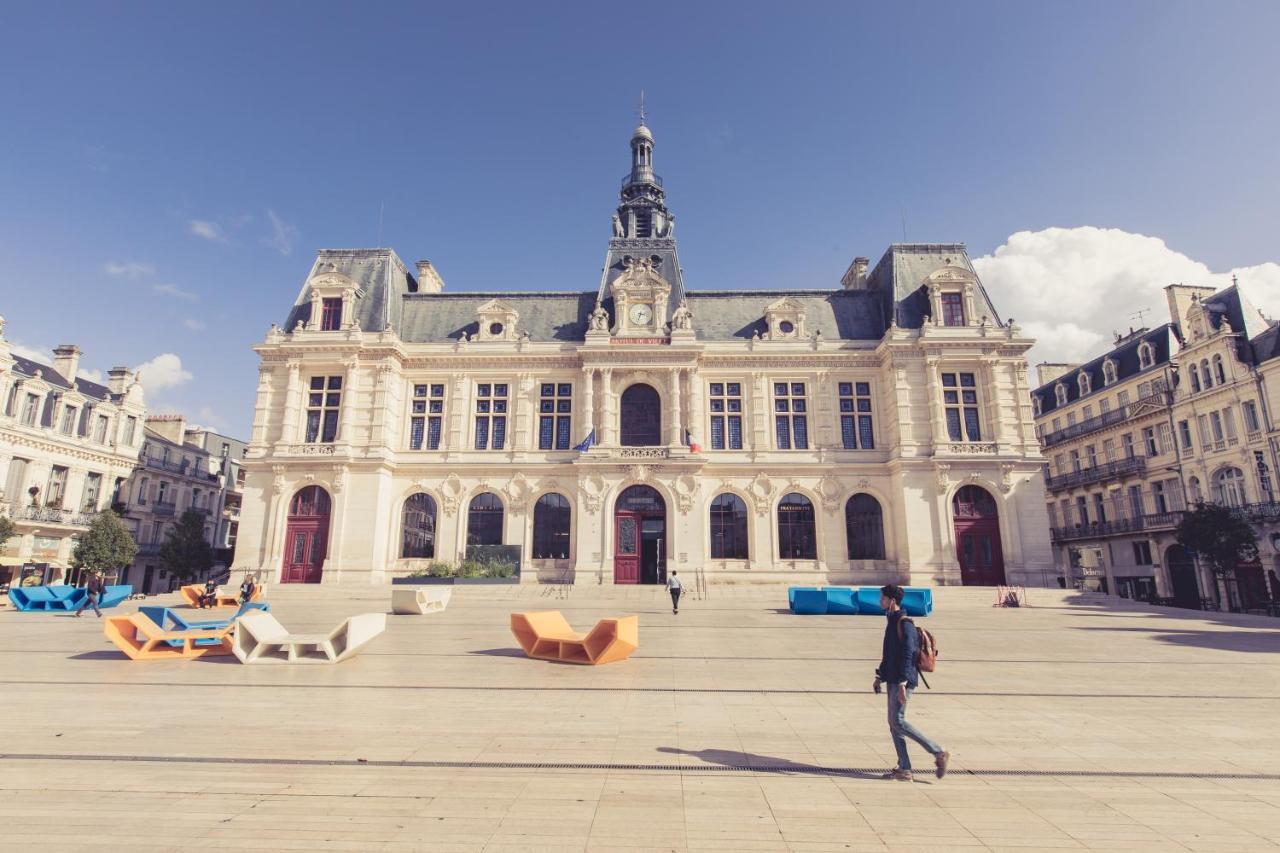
<point x="512" y="579"/>
<point x="421" y="581"/>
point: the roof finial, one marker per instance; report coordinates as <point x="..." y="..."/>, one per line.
<point x="1234" y="280"/>
<point x="642" y="106"/>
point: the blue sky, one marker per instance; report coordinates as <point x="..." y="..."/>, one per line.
<point x="167" y="171"/>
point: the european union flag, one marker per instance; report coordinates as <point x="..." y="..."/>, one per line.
<point x="587" y="442"/>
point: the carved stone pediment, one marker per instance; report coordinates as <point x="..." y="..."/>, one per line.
<point x="497" y="321"/>
<point x="785" y="320"/>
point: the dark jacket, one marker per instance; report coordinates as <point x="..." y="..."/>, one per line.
<point x="95" y="585"/>
<point x="898" y="656"/>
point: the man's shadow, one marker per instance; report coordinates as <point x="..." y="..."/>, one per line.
<point x="768" y="764"/>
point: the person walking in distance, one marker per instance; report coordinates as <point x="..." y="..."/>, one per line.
<point x="93" y="590"/>
<point x="897" y="672"/>
<point x="675" y="587"/>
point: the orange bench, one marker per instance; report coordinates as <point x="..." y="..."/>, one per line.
<point x="547" y="636"/>
<point x="141" y="639"/>
<point x="191" y="594"/>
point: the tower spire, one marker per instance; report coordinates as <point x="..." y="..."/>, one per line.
<point x="642" y="106"/>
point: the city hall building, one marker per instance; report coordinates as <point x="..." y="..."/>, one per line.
<point x="878" y="429"/>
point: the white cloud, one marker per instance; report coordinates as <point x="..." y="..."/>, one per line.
<point x="283" y="234"/>
<point x="193" y="324"/>
<point x="35" y="353"/>
<point x="163" y="371"/>
<point x="128" y="269"/>
<point x="208" y="230"/>
<point x="175" y="291"/>
<point x="209" y="418"/>
<point x="1072" y="288"/>
<point x="91" y="375"/>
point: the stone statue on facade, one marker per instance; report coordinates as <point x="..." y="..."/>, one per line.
<point x="599" y="319"/>
<point x="617" y="226"/>
<point x="682" y="318"/>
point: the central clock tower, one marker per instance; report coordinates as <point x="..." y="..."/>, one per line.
<point x="642" y="281"/>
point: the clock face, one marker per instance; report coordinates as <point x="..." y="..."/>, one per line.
<point x="641" y="314"/>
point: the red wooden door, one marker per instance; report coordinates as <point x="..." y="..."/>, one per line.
<point x="978" y="549"/>
<point x="626" y="548"/>
<point x="306" y="543"/>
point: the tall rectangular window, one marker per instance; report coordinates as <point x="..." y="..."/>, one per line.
<point x="1104" y="406"/>
<point x="100" y="430"/>
<point x="330" y="315"/>
<point x="555" y="415"/>
<point x="29" y="409"/>
<point x="1250" y="409"/>
<point x="1109" y="449"/>
<point x="130" y="428"/>
<point x="1150" y="442"/>
<point x="324" y="399"/>
<point x="726" y="415"/>
<point x="952" y="309"/>
<point x="790" y="416"/>
<point x="57" y="486"/>
<point x="1215" y="421"/>
<point x="1166" y="438"/>
<point x="1122" y="399"/>
<point x="1135" y="501"/>
<point x="426" y="409"/>
<point x="856" y="430"/>
<point x="92" y="488"/>
<point x="491" y="415"/>
<point x="1184" y="432"/>
<point x="960" y="401"/>
<point x="68" y="422"/>
<point x="1229" y="421"/>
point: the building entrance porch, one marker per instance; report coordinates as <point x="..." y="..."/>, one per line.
<point x="640" y="537"/>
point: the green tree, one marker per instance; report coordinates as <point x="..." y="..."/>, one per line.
<point x="185" y="553"/>
<point x="6" y="529"/>
<point x="106" y="546"/>
<point x="1220" y="537"/>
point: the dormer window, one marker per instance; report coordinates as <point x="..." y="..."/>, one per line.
<point x="1038" y="404"/>
<point x="1060" y="394"/>
<point x="952" y="293"/>
<point x="1108" y="372"/>
<point x="1083" y="382"/>
<point x="952" y="309"/>
<point x="333" y="301"/>
<point x="784" y="320"/>
<point x="331" y="314"/>
<point x="1146" y="355"/>
<point x="496" y="321"/>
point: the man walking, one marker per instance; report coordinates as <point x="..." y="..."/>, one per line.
<point x="675" y="587"/>
<point x="897" y="672"/>
<point x="93" y="589"/>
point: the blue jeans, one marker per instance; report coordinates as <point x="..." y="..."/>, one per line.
<point x="900" y="729"/>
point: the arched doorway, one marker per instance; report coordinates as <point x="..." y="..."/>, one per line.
<point x="977" y="526"/>
<point x="306" y="536"/>
<point x="640" y="536"/>
<point x="1182" y="577"/>
<point x="641" y="418"/>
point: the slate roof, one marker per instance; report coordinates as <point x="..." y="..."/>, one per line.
<point x="92" y="390"/>
<point x="1125" y="355"/>
<point x="1266" y="346"/>
<point x="1232" y="303"/>
<point x="900" y="274"/>
<point x="379" y="273"/>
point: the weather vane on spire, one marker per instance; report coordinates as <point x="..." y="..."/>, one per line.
<point x="642" y="106"/>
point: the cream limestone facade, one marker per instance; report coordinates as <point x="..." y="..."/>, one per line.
<point x="879" y="430"/>
<point x="66" y="447"/>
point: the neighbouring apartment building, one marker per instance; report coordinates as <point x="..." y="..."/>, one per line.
<point x="226" y="457"/>
<point x="66" y="447"/>
<point x="877" y="429"/>
<point x="1167" y="418"/>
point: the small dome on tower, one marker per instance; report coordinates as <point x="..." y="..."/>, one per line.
<point x="642" y="132"/>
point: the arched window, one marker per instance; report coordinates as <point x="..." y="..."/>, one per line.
<point x="551" y="527"/>
<point x="864" y="528"/>
<point x="484" y="520"/>
<point x="311" y="500"/>
<point x="1219" y="373"/>
<point x="418" y="539"/>
<point x="1039" y="404"/>
<point x="1108" y="372"/>
<point x="1195" y="380"/>
<point x="729" y="528"/>
<point x="1083" y="382"/>
<point x="797" y="538"/>
<point x="1205" y="376"/>
<point x="975" y="502"/>
<point x="1060" y="394"/>
<point x="1146" y="355"/>
<point x="1193" y="485"/>
<point x="1228" y="487"/>
<point x="641" y="417"/>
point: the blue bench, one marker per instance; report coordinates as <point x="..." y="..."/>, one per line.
<point x="60" y="597"/>
<point x="791" y="594"/>
<point x="916" y="601"/>
<point x="846" y="601"/>
<point x="809" y="602"/>
<point x="173" y="619"/>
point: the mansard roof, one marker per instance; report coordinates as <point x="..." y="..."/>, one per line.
<point x="900" y="275"/>
<point x="379" y="274"/>
<point x="1266" y="346"/>
<point x="28" y="368"/>
<point x="1125" y="356"/>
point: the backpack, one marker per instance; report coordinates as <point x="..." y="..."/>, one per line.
<point x="926" y="653"/>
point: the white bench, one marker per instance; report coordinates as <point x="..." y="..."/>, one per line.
<point x="417" y="601"/>
<point x="259" y="638"/>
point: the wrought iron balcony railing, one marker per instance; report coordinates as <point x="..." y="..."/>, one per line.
<point x="1097" y="474"/>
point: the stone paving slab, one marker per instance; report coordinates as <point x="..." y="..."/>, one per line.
<point x="1080" y="723"/>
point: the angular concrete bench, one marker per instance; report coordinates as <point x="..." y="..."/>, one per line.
<point x="417" y="601"/>
<point x="191" y="594"/>
<point x="916" y="601"/>
<point x="60" y="597"/>
<point x="547" y="636"/>
<point x="843" y="600"/>
<point x="175" y="619"/>
<point x="141" y="639"/>
<point x="259" y="638"/>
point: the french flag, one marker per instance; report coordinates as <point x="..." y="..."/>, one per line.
<point x="693" y="446"/>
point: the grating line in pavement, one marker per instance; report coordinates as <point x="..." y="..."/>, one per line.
<point x="783" y="768"/>
<point x="572" y="689"/>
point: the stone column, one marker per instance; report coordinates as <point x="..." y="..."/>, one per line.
<point x="459" y="403"/>
<point x="588" y="401"/>
<point x="313" y="322"/>
<point x="992" y="392"/>
<point x="697" y="421"/>
<point x="292" y="399"/>
<point x="609" y="414"/>
<point x="760" y="406"/>
<point x="675" y="437"/>
<point x="262" y="408"/>
<point x="347" y="420"/>
<point x="933" y="378"/>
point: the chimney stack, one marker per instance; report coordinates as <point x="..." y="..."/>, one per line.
<point x="66" y="358"/>
<point x="429" y="281"/>
<point x="119" y="379"/>
<point x="855" y="278"/>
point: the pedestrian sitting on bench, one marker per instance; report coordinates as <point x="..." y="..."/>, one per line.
<point x="247" y="589"/>
<point x="209" y="598"/>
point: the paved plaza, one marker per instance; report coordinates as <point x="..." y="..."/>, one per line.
<point x="1081" y="722"/>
